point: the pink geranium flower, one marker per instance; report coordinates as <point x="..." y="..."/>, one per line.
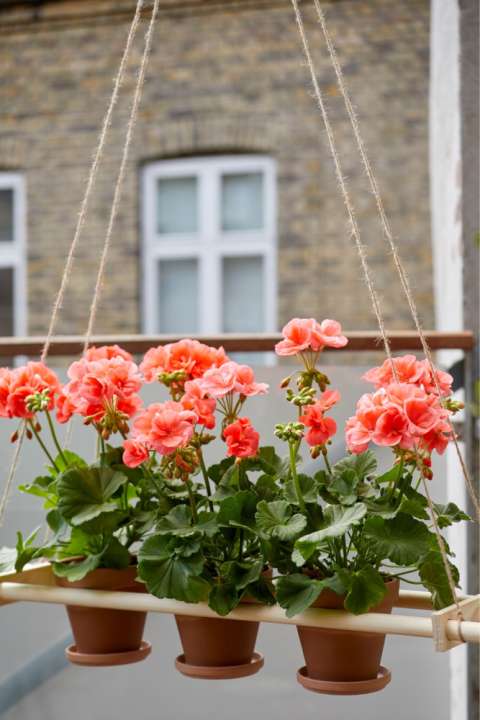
<point x="231" y="377"/>
<point x="65" y="409"/>
<point x="105" y="386"/>
<point x="411" y="371"/>
<point x="196" y="400"/>
<point x="190" y="356"/>
<point x="34" y="377"/>
<point x="321" y="428"/>
<point x="135" y="453"/>
<point x="402" y="414"/>
<point x="107" y="352"/>
<point x="242" y="439"/>
<point x="301" y="334"/>
<point x="164" y="427"/>
<point x="5" y="383"/>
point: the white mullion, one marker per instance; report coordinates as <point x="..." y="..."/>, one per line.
<point x="210" y="306"/>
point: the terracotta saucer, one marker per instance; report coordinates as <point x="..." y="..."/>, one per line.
<point x="108" y="659"/>
<point x="226" y="672"/>
<point x="356" y="687"/>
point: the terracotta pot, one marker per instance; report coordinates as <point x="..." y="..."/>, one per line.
<point x="218" y="649"/>
<point x="101" y="632"/>
<point x="338" y="657"/>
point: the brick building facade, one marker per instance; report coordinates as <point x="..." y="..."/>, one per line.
<point x="224" y="79"/>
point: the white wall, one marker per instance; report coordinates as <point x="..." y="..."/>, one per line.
<point x="446" y="191"/>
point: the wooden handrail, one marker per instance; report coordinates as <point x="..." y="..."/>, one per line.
<point x="359" y="341"/>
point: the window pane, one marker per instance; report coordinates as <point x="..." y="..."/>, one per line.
<point x="6" y="301"/>
<point x="178" y="296"/>
<point x="177" y="205"/>
<point x="6" y="215"/>
<point x="243" y="294"/>
<point x="242" y="201"/>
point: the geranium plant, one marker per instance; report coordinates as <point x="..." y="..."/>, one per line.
<point x="205" y="547"/>
<point x="350" y="527"/>
<point x="95" y="511"/>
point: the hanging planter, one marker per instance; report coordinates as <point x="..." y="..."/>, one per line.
<point x="103" y="636"/>
<point x="344" y="663"/>
<point x="219" y="649"/>
<point x="207" y="533"/>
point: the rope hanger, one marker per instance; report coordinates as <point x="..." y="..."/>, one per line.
<point x="354" y="228"/>
<point x="355" y="233"/>
<point x="68" y="267"/>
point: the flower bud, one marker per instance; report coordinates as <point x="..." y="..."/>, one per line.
<point x="14" y="437"/>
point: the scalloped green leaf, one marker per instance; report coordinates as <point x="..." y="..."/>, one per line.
<point x="86" y="493"/>
<point x="275" y="519"/>
<point x="337" y="520"/>
<point x="402" y="539"/>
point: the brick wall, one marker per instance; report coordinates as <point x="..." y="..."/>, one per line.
<point x="222" y="77"/>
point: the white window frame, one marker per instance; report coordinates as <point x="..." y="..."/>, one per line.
<point x="13" y="254"/>
<point x="210" y="244"/>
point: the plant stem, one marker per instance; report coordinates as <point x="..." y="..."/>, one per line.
<point x="55" y="438"/>
<point x="42" y="444"/>
<point x="397" y="479"/>
<point x="193" y="505"/>
<point x="293" y="467"/>
<point x="206" y="479"/>
<point x="327" y="462"/>
<point x="240" y="539"/>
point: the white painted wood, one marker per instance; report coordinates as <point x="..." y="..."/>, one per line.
<point x="409" y="625"/>
<point x="13" y="254"/>
<point x="210" y="244"/>
<point x="446" y="190"/>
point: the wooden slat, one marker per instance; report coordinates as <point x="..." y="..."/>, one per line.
<point x="359" y="341"/>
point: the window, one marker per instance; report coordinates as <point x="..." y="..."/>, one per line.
<point x="209" y="250"/>
<point x="12" y="255"/>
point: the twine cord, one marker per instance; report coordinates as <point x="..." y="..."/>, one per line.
<point x="121" y="173"/>
<point x="91" y="180"/>
<point x="12" y="472"/>
<point x="364" y="260"/>
<point x="388" y="234"/>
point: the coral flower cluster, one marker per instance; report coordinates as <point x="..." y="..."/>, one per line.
<point x="202" y="380"/>
<point x="405" y="411"/>
<point x="408" y="410"/>
<point x="19" y="385"/>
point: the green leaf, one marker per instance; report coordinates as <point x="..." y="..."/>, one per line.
<point x="241" y="573"/>
<point x="449" y="514"/>
<point x="275" y="519"/>
<point x="388" y="477"/>
<point x="77" y="570"/>
<point x="308" y="487"/>
<point x="337" y="520"/>
<point x="177" y="522"/>
<point x="26" y="551"/>
<point x="262" y="590"/>
<point x="297" y="592"/>
<point x="366" y="589"/>
<point x="363" y="465"/>
<point x="86" y="493"/>
<point x="343" y="486"/>
<point x="403" y="540"/>
<point x="223" y="598"/>
<point x="238" y="510"/>
<point x="266" y="487"/>
<point x="8" y="557"/>
<point x="434" y="576"/>
<point x="267" y="461"/>
<point x="116" y="555"/>
<point x="171" y="567"/>
<point x="217" y="472"/>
